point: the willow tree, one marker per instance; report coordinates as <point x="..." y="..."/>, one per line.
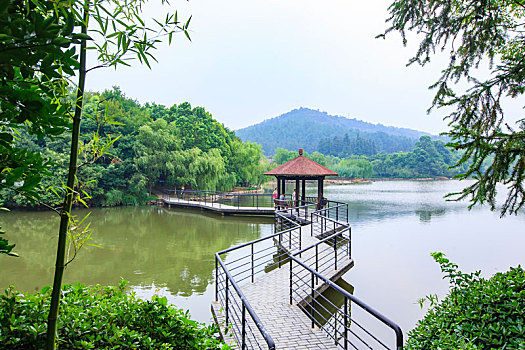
<point x="490" y="34"/>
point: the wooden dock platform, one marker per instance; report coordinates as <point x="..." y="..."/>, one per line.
<point x="269" y="296"/>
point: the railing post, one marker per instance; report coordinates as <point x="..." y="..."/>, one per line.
<point x="291" y="262"/>
<point x="316" y="260"/>
<point x="243" y="327"/>
<point x="300" y="238"/>
<point x="335" y="251"/>
<point x="227" y="299"/>
<point x="349" y="242"/>
<point x="312" y="225"/>
<point x="346" y="322"/>
<point x="216" y="280"/>
<point x="252" y="264"/>
<point x="337" y="213"/>
<point x="313" y="298"/>
<point x="279" y="250"/>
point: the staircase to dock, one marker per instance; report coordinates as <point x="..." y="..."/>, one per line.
<point x="270" y="293"/>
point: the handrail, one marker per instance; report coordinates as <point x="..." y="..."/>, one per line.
<point x="220" y="198"/>
<point x="373" y="312"/>
<point x="255" y="318"/>
<point x="242" y="268"/>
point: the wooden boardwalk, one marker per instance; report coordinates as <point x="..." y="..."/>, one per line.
<point x="269" y="296"/>
<point x="223" y="209"/>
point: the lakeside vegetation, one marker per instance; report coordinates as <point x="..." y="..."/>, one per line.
<point x="477" y="313"/>
<point x="100" y="318"/>
<point x="184" y="147"/>
<point x="429" y="158"/>
<point x="178" y="147"/>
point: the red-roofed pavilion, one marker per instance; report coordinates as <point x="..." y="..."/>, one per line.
<point x="301" y="169"/>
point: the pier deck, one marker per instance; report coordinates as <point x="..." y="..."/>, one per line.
<point x="220" y="208"/>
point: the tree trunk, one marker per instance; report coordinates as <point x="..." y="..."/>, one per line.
<point x="68" y="199"/>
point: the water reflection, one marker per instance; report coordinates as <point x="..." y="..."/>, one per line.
<point x="173" y="249"/>
<point x="385" y="200"/>
<point x="426" y="215"/>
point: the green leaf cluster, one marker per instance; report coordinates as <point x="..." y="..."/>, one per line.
<point x="477" y="313"/>
<point x="488" y="34"/>
<point x="101" y="318"/>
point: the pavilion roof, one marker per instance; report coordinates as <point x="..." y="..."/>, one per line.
<point x="301" y="166"/>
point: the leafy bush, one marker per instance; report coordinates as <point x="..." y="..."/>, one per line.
<point x="100" y="318"/>
<point x="114" y="198"/>
<point x="477" y="313"/>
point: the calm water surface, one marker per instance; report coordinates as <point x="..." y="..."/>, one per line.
<point x="395" y="227"/>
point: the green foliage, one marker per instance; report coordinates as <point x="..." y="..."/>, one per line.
<point x="101" y="318"/>
<point x="429" y="158"/>
<point x="477" y="313"/>
<point x="152" y="151"/>
<point x="476" y="33"/>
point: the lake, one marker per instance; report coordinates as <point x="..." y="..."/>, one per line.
<point x="395" y="227"/>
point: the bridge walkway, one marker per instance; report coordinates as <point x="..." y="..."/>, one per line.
<point x="286" y="323"/>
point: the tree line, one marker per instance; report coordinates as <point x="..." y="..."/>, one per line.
<point x="152" y="145"/>
<point x="429" y="158"/>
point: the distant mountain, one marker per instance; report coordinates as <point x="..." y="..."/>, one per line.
<point x="312" y="130"/>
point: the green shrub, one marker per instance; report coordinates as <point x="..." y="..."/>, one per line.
<point x="114" y="198"/>
<point x="100" y="318"/>
<point x="477" y="313"/>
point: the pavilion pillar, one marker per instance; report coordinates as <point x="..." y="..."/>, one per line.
<point x="278" y="187"/>
<point x="296" y="193"/>
<point x="283" y="184"/>
<point x="303" y="192"/>
<point x="320" y="181"/>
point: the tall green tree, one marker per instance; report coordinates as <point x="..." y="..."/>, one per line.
<point x="35" y="51"/>
<point x="474" y="33"/>
<point x="38" y="44"/>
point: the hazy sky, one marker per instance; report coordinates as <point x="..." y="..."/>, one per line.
<point x="251" y="60"/>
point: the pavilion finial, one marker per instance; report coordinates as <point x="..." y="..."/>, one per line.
<point x="300" y="151"/>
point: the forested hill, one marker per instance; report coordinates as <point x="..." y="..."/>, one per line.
<point x="318" y="131"/>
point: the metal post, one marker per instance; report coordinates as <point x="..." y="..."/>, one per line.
<point x="291" y="261"/>
<point x="337" y="213"/>
<point x="312" y="225"/>
<point x="227" y="298"/>
<point x="316" y="259"/>
<point x="346" y="322"/>
<point x="243" y="327"/>
<point x="335" y="251"/>
<point x="252" y="264"/>
<point x="216" y="280"/>
<point x="313" y="307"/>
<point x="349" y="242"/>
<point x="279" y="250"/>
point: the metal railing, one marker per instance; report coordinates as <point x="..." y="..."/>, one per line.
<point x="339" y="321"/>
<point x="308" y="269"/>
<point x="247" y="261"/>
<point x="219" y="198"/>
<point x="293" y="217"/>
